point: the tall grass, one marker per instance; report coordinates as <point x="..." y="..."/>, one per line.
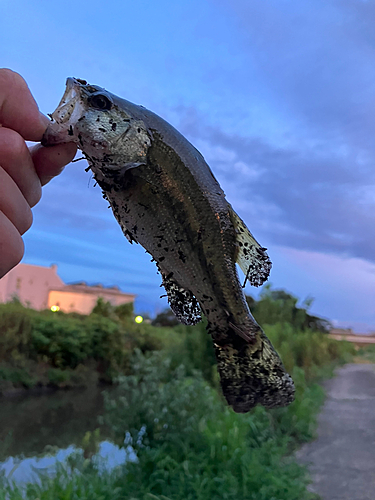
<point x="189" y="444"/>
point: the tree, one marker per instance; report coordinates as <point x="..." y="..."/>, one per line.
<point x="279" y="306"/>
<point x="124" y="311"/>
<point x="166" y="318"/>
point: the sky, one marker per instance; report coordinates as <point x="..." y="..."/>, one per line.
<point x="279" y="97"/>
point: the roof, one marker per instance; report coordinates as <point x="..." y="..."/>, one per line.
<point x="82" y="287"/>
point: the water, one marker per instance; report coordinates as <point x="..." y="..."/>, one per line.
<point x="37" y="431"/>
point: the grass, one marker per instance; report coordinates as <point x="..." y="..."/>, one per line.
<point x="189" y="444"/>
<point x="168" y="405"/>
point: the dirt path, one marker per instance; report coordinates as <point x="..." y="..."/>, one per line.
<point x="342" y="459"/>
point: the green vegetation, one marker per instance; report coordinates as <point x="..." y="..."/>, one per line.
<point x="40" y="348"/>
<point x="168" y="407"/>
<point x="278" y="306"/>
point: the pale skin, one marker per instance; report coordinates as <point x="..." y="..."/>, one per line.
<point x="23" y="171"/>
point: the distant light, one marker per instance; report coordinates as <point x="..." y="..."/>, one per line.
<point x="138" y="319"/>
<point x="55" y="308"/>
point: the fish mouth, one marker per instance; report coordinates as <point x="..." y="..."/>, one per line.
<point x="67" y="113"/>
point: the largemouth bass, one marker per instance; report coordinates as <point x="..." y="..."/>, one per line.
<point x="165" y="197"/>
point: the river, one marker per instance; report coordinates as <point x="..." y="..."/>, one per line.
<point x="36" y="431"/>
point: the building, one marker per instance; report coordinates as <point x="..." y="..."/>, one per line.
<point x="40" y="288"/>
<point x="80" y="297"/>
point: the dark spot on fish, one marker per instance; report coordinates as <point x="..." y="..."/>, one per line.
<point x="161" y="259"/>
<point x="138" y="130"/>
<point x="159" y="245"/>
<point x="70" y="131"/>
<point x="98" y="119"/>
<point x="102" y="129"/>
<point x="182" y="256"/>
<point x="80" y="139"/>
<point x="134" y="229"/>
<point x="82" y="117"/>
<point x="114" y="125"/>
<point x="166" y="249"/>
<point x="169" y="276"/>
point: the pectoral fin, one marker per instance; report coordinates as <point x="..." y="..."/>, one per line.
<point x="251" y="257"/>
<point x="182" y="302"/>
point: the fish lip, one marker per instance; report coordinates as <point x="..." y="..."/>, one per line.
<point x="65" y="115"/>
<point x="66" y="106"/>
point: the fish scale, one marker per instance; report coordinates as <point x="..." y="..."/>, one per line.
<point x="165" y="197"/>
<point x="191" y="206"/>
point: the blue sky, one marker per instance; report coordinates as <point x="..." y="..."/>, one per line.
<point x="279" y="96"/>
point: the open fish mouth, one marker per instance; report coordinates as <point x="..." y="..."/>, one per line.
<point x="70" y="109"/>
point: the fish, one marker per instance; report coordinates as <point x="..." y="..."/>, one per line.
<point x="166" y="198"/>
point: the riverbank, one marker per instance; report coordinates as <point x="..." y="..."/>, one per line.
<point x="188" y="443"/>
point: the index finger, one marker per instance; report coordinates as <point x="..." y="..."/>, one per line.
<point x="18" y="109"/>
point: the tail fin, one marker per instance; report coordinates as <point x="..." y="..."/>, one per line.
<point x="252" y="373"/>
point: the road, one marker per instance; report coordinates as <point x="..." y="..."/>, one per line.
<point x="342" y="459"/>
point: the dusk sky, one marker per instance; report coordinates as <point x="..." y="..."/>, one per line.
<point x="279" y="97"/>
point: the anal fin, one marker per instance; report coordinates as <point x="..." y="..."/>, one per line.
<point x="251" y="257"/>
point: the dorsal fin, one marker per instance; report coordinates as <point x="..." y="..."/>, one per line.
<point x="251" y="257"/>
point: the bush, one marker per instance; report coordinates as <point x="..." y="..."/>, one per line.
<point x="191" y="445"/>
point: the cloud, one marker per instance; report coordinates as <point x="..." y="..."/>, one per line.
<point x="310" y="196"/>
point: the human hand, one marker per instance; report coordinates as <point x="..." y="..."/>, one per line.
<point x="23" y="171"/>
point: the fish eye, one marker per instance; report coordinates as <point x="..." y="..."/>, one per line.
<point x="100" y="101"/>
